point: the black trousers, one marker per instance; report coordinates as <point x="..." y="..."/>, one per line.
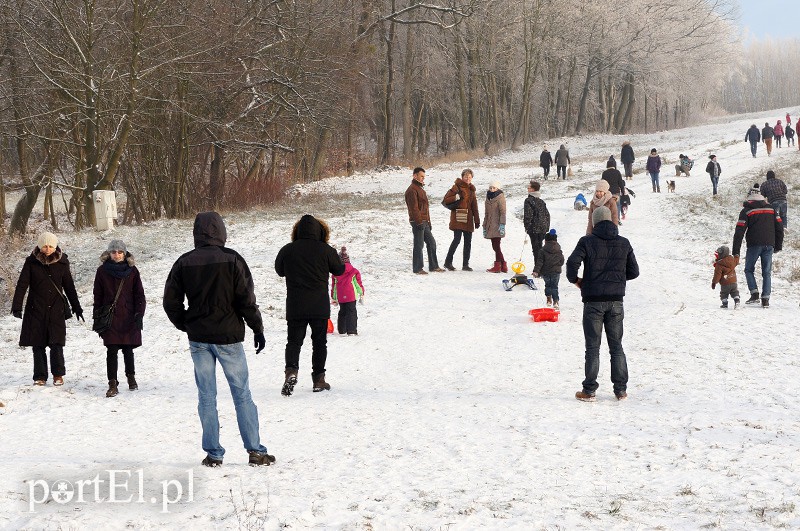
<point x="347" y="322"/>
<point x="56" y="362"/>
<point x="454" y="245"/>
<point x="112" y="362"/>
<point x="296" y="334"/>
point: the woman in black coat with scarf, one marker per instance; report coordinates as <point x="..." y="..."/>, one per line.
<point x="118" y="272"/>
<point x="47" y="279"/>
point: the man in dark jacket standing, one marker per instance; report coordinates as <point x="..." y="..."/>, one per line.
<point x="608" y="263"/>
<point x="307" y="263"/>
<point x="545" y="161"/>
<point x="419" y="216"/>
<point x="627" y="157"/>
<point x="754" y="137"/>
<point x="219" y="288"/>
<point x="763" y="229"/>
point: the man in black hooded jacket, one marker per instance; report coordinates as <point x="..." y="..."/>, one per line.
<point x="307" y="263"/>
<point x="219" y="288"/>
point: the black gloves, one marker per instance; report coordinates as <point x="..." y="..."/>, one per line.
<point x="17" y="314"/>
<point x="259" y="342"/>
<point x="79" y="315"/>
<point x="137" y="319"/>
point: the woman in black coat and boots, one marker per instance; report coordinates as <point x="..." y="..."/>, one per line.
<point x="46" y="274"/>
<point x="118" y="274"/>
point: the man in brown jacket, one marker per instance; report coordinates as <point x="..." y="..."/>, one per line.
<point x="420" y="218"/>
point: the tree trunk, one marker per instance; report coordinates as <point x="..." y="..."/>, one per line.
<point x="584" y="99"/>
<point x="386" y="152"/>
<point x="408" y="83"/>
<point x="215" y="178"/>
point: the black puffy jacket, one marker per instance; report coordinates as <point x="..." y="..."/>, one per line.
<point x="761" y="225"/>
<point x="307" y="264"/>
<point x="608" y="263"/>
<point x="218" y="286"/>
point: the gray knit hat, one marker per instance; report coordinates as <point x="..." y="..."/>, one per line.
<point x="117" y="245"/>
<point x="601" y="213"/>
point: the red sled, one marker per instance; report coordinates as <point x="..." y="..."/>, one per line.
<point x="330" y="326"/>
<point x="544" y="314"/>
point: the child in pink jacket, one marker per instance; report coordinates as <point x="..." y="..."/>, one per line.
<point x="346" y="290"/>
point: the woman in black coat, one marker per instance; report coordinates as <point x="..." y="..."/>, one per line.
<point x="118" y="272"/>
<point x="47" y="278"/>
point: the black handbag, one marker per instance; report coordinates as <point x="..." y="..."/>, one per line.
<point x="67" y="307"/>
<point x="455" y="201"/>
<point x="103" y="315"/>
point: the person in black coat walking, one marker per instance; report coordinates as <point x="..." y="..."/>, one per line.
<point x="117" y="282"/>
<point x="714" y="170"/>
<point x="753" y="135"/>
<point x="627" y="157"/>
<point x="47" y="279"/>
<point x="608" y="263"/>
<point x="545" y="161"/>
<point x="616" y="184"/>
<point x="307" y="263"/>
<point x="218" y="286"/>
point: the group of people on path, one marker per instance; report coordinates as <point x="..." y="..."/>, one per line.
<point x="768" y="133"/>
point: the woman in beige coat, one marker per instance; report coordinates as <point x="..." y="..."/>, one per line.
<point x="602" y="197"/>
<point x="494" y="224"/>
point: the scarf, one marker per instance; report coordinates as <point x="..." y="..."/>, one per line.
<point x="598" y="202"/>
<point x="117" y="270"/>
<point x="492" y="195"/>
<point x="535" y="194"/>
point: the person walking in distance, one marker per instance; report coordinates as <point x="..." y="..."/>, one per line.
<point x="562" y="161"/>
<point x="753" y="135"/>
<point x="654" y="168"/>
<point x="778" y="130"/>
<point x="608" y="263"/>
<point x="218" y="286"/>
<point x="545" y="161"/>
<point x="627" y="158"/>
<point x="761" y="227"/>
<point x="767" y="134"/>
<point x="419" y="217"/>
<point x="714" y="170"/>
<point x="306" y="263"/>
<point x="536" y="218"/>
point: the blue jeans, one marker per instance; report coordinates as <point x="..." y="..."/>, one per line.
<point x="714" y="182"/>
<point x="234" y="365"/>
<point x="782" y="208"/>
<point x="422" y="234"/>
<point x="551" y="286"/>
<point x="654" y="179"/>
<point x="753" y="147"/>
<point x="596" y="315"/>
<point x="754" y="252"/>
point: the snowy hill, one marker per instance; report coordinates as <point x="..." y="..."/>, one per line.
<point x="450" y="409"/>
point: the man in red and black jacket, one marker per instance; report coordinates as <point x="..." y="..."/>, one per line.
<point x="762" y="229"/>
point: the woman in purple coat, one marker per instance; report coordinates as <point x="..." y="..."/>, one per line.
<point x="118" y="274"/>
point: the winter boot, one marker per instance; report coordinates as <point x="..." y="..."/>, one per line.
<point x="211" y="462"/>
<point x="658" y="188"/>
<point x="765" y="303"/>
<point x="555" y="305"/>
<point x="260" y="458"/>
<point x="449" y="266"/>
<point x="466" y="267"/>
<point x="504" y="267"/>
<point x="754" y="298"/>
<point x="654" y="188"/>
<point x="736" y="303"/>
<point x="549" y="301"/>
<point x="132" y="385"/>
<point x="319" y="383"/>
<point x="724" y="304"/>
<point x="495" y="268"/>
<point x="289" y="382"/>
<point x="112" y="388"/>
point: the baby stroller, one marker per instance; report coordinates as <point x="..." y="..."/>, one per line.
<point x="625" y="201"/>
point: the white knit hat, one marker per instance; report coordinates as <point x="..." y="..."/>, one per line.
<point x="495" y="184"/>
<point x="754" y="194"/>
<point x="47" y="239"/>
<point x="602" y="186"/>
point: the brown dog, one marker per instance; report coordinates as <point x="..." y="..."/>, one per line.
<point x="671" y="186"/>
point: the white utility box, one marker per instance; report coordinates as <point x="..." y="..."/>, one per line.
<point x="105" y="208"/>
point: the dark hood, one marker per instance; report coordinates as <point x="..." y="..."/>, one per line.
<point x="310" y="228"/>
<point x="758" y="203"/>
<point x="209" y="229"/>
<point x="606" y="230"/>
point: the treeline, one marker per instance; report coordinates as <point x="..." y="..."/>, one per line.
<point x="187" y="105"/>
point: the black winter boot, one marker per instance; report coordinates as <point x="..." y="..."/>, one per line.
<point x="319" y="383"/>
<point x="754" y="298"/>
<point x="724" y="304"/>
<point x="289" y="382"/>
<point x="132" y="385"/>
<point x="112" y="388"/>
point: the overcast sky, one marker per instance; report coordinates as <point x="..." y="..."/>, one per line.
<point x="773" y="18"/>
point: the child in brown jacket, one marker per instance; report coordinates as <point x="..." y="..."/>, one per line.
<point x="725" y="275"/>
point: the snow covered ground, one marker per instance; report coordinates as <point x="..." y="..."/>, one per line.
<point x="450" y="409"/>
